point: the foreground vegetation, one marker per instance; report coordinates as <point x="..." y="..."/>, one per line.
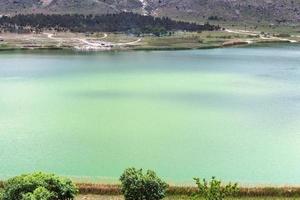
<point x="244" y="192"/>
<point x="177" y="197"/>
<point x="38" y="186"/>
<point x="135" y="185"/>
<point x="139" y="186"/>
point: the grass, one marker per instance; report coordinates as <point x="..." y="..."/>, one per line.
<point x="176" y="41"/>
<point x="175" y="197"/>
<point x="206" y="39"/>
<point x="119" y="197"/>
<point x="184" y="40"/>
<point x="112" y="190"/>
<point x="91" y="191"/>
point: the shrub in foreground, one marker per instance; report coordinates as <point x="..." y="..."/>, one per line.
<point x="214" y="190"/>
<point x="39" y="193"/>
<point x="39" y="186"/>
<point x="139" y="186"/>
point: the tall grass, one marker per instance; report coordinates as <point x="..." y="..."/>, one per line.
<point x="114" y="189"/>
<point x="270" y="192"/>
<point x="100" y="189"/>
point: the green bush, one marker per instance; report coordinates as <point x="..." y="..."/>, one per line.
<point x="40" y="193"/>
<point x="39" y="186"/>
<point x="139" y="186"/>
<point x="214" y="190"/>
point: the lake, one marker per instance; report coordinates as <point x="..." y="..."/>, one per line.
<point x="233" y="113"/>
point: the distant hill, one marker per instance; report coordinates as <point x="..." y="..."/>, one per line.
<point x="270" y="11"/>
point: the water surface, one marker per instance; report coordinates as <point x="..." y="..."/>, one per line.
<point x="232" y="113"/>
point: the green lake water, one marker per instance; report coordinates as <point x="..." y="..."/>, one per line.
<point x="232" y="113"/>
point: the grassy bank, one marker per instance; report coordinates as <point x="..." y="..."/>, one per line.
<point x="245" y="192"/>
<point x="113" y="191"/>
<point x="121" y="41"/>
<point x="175" y="197"/>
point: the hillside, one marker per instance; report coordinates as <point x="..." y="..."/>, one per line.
<point x="231" y="10"/>
<point x="270" y="11"/>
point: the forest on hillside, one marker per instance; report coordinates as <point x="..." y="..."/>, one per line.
<point x="122" y="22"/>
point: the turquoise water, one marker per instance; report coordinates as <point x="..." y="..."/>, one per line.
<point x="232" y="113"/>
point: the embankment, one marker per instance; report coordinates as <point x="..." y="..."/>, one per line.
<point x="105" y="189"/>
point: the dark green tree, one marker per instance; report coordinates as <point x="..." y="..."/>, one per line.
<point x="139" y="186"/>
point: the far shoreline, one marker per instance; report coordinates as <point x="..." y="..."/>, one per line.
<point x="71" y="50"/>
<point x="115" y="42"/>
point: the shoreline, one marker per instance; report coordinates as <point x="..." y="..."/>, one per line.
<point x="261" y="191"/>
<point x="234" y="45"/>
<point x="102" y="189"/>
<point x="110" y="42"/>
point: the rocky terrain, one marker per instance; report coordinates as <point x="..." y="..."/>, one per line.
<point x="258" y="11"/>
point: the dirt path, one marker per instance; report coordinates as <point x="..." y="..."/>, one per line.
<point x="93" y="44"/>
<point x="103" y="45"/>
<point x="85" y="44"/>
<point x="104" y="36"/>
<point x="50" y="36"/>
<point x="255" y="33"/>
<point x="278" y="38"/>
<point x="129" y="43"/>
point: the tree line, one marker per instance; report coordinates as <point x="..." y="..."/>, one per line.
<point x="121" y="22"/>
<point x="135" y="185"/>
